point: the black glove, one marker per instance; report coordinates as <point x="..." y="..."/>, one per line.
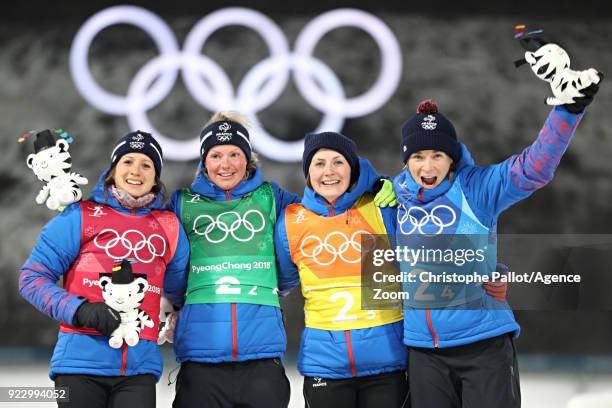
<point x="588" y="92"/>
<point x="97" y="315"/>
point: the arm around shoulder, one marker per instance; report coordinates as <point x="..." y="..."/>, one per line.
<point x="175" y="280"/>
<point x="283" y="198"/>
<point x="288" y="275"/>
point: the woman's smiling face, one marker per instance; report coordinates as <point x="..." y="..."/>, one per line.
<point x="226" y="166"/>
<point x="329" y="174"/>
<point x="134" y="173"/>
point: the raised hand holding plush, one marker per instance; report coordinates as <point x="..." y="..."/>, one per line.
<point x="51" y="163"/>
<point x="551" y="63"/>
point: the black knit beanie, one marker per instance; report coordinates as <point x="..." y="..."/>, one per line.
<point x="224" y="132"/>
<point x="139" y="142"/>
<point x="429" y="130"/>
<point x="334" y="141"/>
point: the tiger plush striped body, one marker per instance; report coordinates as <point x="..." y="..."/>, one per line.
<point x="551" y="63"/>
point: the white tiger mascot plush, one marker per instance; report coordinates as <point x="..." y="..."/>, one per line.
<point x="551" y="63"/>
<point x="124" y="292"/>
<point x="51" y="163"/>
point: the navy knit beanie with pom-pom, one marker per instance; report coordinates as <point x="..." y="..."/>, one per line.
<point x="429" y="130"/>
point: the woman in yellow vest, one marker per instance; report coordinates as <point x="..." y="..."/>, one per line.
<point x="349" y="357"/>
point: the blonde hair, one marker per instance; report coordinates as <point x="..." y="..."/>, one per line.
<point x="233" y="116"/>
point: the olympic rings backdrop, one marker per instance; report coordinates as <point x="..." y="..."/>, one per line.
<point x="211" y="87"/>
<point x="100" y="69"/>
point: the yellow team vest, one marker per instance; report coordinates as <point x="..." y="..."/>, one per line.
<point x="327" y="252"/>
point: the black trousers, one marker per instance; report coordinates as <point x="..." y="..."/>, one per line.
<point x="247" y="384"/>
<point x="97" y="391"/>
<point x="388" y="390"/>
<point x="478" y="375"/>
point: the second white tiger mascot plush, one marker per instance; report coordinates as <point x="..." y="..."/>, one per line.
<point x="124" y="291"/>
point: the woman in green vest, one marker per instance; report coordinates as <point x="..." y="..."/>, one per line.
<point x="230" y="330"/>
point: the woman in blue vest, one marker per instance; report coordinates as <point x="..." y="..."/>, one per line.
<point x="349" y="357"/>
<point x="114" y="253"/>
<point x="462" y="355"/>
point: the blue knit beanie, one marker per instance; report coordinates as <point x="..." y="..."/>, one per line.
<point x="334" y="141"/>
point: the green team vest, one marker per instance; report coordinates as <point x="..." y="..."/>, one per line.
<point x="232" y="248"/>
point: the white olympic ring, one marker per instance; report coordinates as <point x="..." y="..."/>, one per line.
<point x="339" y="252"/>
<point x="210" y="86"/>
<point x="128" y="246"/>
<point x="240" y="220"/>
<point x="418" y="224"/>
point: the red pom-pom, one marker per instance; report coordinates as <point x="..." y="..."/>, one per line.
<point x="427" y="106"/>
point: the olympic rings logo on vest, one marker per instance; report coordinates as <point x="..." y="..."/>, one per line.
<point x="211" y="87"/>
<point x="125" y="247"/>
<point x="336" y="251"/>
<point x="425" y="219"/>
<point x="218" y="223"/>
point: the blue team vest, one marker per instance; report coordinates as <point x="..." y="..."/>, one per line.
<point x="444" y="229"/>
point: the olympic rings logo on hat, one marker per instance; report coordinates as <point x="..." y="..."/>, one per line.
<point x="240" y="221"/>
<point x="126" y="248"/>
<point x="137" y="145"/>
<point x="404" y="215"/>
<point x="340" y="250"/>
<point x="211" y="87"/>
